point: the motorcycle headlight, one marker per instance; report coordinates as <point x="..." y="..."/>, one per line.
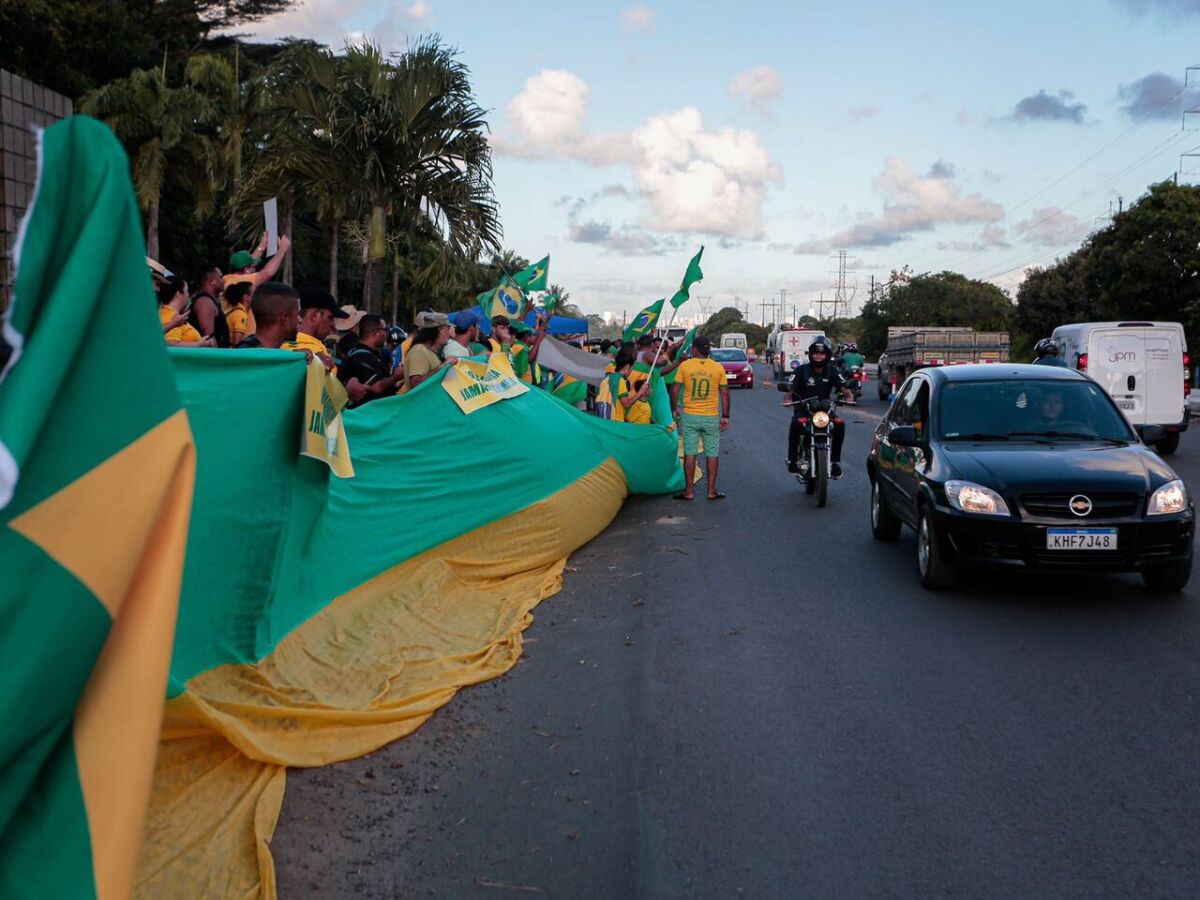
<point x="969" y="497"/>
<point x="1170" y="498"/>
<point x="820" y="419"/>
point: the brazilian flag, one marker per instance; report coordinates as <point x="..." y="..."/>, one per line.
<point x="644" y="322"/>
<point x="96" y="476"/>
<point x="505" y="299"/>
<point x="534" y="278"/>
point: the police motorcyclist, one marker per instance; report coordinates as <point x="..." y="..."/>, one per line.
<point x="1047" y="354"/>
<point x="817" y="378"/>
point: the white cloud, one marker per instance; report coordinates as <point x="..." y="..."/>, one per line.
<point x="697" y="180"/>
<point x="756" y="87"/>
<point x="912" y="203"/>
<point x="637" y="18"/>
<point x="546" y="120"/>
<point x="693" y="179"/>
<point x="860" y="113"/>
<point x="336" y="22"/>
<point x="1051" y="227"/>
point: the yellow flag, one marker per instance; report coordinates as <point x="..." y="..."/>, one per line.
<point x="324" y="433"/>
<point x="475" y="385"/>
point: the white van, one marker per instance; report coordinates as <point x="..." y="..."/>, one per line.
<point x="1142" y="365"/>
<point x="734" y="339"/>
<point x="792" y="347"/>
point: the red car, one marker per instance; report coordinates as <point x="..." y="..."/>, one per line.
<point x="738" y="372"/>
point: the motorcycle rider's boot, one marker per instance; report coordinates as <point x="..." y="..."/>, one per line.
<point x="835" y="470"/>
<point x="793" y="468"/>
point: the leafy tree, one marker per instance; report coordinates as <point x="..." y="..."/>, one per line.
<point x="163" y="130"/>
<point x="944" y="299"/>
<point x="1144" y="265"/>
<point x="74" y="46"/>
<point x="729" y="320"/>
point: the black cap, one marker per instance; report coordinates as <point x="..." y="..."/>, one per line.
<point x="316" y="297"/>
<point x="702" y="344"/>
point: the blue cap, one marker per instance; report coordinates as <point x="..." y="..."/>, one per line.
<point x="465" y="319"/>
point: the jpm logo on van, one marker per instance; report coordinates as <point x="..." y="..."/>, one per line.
<point x="1115" y="355"/>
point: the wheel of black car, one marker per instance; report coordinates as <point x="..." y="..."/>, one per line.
<point x="1168" y="445"/>
<point x="936" y="570"/>
<point x="884" y="524"/>
<point x="1169" y="579"/>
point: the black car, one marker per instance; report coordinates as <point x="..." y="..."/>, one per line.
<point x="1028" y="466"/>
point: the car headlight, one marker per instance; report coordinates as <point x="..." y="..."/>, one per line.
<point x="820" y="419"/>
<point x="975" y="498"/>
<point x="1170" y="498"/>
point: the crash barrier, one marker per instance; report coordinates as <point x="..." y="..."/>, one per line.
<point x="322" y="617"/>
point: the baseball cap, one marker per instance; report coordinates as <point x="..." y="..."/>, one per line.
<point x="465" y="320"/>
<point x="241" y="259"/>
<point x="702" y="343"/>
<point x="315" y="297"/>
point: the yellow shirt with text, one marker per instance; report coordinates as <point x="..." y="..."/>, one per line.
<point x="700" y="381"/>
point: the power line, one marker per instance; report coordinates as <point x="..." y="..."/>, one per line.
<point x="1070" y="171"/>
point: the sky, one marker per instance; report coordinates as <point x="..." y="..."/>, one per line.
<point x="982" y="138"/>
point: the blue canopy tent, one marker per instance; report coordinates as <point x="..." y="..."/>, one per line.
<point x="558" y="324"/>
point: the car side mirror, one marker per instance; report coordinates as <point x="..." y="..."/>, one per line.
<point x="904" y="436"/>
<point x="1152" y="434"/>
<point x="782" y="386"/>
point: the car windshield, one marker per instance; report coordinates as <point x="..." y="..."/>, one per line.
<point x="1029" y="409"/>
<point x="729" y="355"/>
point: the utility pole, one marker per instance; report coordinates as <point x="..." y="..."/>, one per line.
<point x="782" y="303"/>
<point x="763" y="309"/>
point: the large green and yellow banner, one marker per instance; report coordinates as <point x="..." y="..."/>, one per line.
<point x="96" y="491"/>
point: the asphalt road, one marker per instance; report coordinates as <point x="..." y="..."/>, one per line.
<point x="752" y="697"/>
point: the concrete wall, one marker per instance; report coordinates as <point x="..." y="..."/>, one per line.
<point x="24" y="106"/>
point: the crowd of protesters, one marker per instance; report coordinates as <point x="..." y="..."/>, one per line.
<point x="248" y="308"/>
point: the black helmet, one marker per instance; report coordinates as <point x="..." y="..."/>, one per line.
<point x="1045" y="347"/>
<point x="396" y="334"/>
<point x="820" y="345"/>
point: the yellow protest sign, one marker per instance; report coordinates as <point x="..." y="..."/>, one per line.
<point x="324" y="435"/>
<point x="474" y="385"/>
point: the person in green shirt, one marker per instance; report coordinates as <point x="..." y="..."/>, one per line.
<point x="852" y="358"/>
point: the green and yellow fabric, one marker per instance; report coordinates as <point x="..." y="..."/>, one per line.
<point x="95" y="493"/>
<point x="358" y="605"/>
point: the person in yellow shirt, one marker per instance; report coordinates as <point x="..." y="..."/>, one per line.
<point x="172" y="313"/>
<point x="238" y="317"/>
<point x="615" y="397"/>
<point x="244" y="267"/>
<point x="318" y="312"/>
<point x="424" y="357"/>
<point x="700" y="384"/>
<point x="639" y="412"/>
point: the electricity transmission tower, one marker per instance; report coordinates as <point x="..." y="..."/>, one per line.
<point x="845" y="286"/>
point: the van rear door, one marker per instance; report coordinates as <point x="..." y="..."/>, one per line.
<point x="1117" y="362"/>
<point x="1163" y="375"/>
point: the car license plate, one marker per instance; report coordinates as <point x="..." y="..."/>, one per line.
<point x="1126" y="404"/>
<point x="1081" y="539"/>
<point x="730" y="377"/>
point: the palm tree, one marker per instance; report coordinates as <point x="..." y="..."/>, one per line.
<point x="237" y="106"/>
<point x="422" y="150"/>
<point x="303" y="152"/>
<point x="164" y="131"/>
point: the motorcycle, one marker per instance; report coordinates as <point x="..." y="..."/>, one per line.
<point x="817" y="443"/>
<point x="854" y="380"/>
